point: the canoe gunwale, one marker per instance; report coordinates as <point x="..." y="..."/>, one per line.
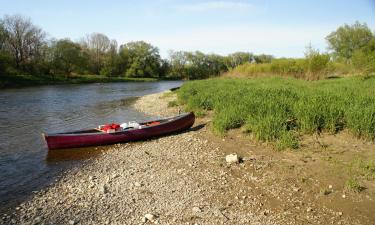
<point x="167" y="120"/>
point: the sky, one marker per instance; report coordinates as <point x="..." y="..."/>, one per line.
<point x="280" y="28"/>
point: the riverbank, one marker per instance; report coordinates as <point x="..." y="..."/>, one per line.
<point x="15" y="81"/>
<point x="185" y="179"/>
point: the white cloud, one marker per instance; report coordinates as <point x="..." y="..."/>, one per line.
<point x="215" y="5"/>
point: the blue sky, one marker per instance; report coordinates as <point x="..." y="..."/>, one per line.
<point x="280" y="28"/>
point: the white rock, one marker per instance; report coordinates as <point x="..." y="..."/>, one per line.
<point x="72" y="222"/>
<point x="232" y="158"/>
<point x="149" y="217"/>
<point x="196" y="209"/>
<point x="330" y="186"/>
<point x="137" y="184"/>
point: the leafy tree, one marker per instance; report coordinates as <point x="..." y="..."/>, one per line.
<point x="140" y="59"/>
<point x="111" y="61"/>
<point x="97" y="46"/>
<point x="364" y="59"/>
<point x="4" y="56"/>
<point x="263" y="58"/>
<point x="24" y="41"/>
<point x="67" y="57"/>
<point x="177" y="61"/>
<point x="235" y="59"/>
<point x="349" y="38"/>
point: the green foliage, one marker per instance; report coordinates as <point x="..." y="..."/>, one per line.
<point x="262" y="58"/>
<point x="67" y="57"/>
<point x="349" y="38"/>
<point x="140" y="59"/>
<point x="238" y="58"/>
<point x="277" y="109"/>
<point x="196" y="65"/>
<point x="353" y="185"/>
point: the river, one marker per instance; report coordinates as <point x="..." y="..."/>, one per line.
<point x="25" y="163"/>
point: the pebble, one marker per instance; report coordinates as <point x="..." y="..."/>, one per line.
<point x="330" y="186"/>
<point x="104" y="189"/>
<point x="148" y="217"/>
<point x="296" y="189"/>
<point x="197" y="209"/>
<point x="309" y="209"/>
<point x="232" y="158"/>
<point x="137" y="184"/>
<point x="72" y="222"/>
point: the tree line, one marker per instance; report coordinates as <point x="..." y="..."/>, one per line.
<point x="25" y="49"/>
<point x="351" y="51"/>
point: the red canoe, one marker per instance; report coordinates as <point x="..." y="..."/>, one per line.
<point x="94" y="137"/>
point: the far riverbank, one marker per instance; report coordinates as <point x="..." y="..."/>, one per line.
<point x="16" y="81"/>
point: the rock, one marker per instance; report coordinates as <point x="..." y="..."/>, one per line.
<point x="72" y="222"/>
<point x="196" y="209"/>
<point x="148" y="217"/>
<point x="137" y="184"/>
<point x="104" y="189"/>
<point x="296" y="189"/>
<point x="309" y="209"/>
<point x="339" y="213"/>
<point x="330" y="186"/>
<point x="232" y="158"/>
<point x="343" y="196"/>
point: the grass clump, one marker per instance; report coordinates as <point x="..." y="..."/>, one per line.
<point x="275" y="109"/>
<point x="353" y="185"/>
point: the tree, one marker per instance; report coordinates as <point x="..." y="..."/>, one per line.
<point x="111" y="61"/>
<point x="177" y="61"/>
<point x="235" y="59"/>
<point x="4" y="56"/>
<point x="97" y="45"/>
<point x="67" y="57"/>
<point x="364" y="59"/>
<point x="24" y="41"/>
<point x="140" y="59"/>
<point x="262" y="58"/>
<point x="347" y="39"/>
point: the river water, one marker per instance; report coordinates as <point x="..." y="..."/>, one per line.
<point x="25" y="163"/>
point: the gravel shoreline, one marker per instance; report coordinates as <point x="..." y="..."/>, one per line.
<point x="177" y="179"/>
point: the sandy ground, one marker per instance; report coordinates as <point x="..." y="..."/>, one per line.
<point x="185" y="179"/>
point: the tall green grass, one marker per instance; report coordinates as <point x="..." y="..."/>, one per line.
<point x="278" y="110"/>
<point x="312" y="68"/>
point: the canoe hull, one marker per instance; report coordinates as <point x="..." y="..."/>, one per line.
<point x="60" y="141"/>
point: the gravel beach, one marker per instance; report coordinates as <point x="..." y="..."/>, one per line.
<point x="178" y="179"/>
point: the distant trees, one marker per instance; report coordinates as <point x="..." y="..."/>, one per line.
<point x="67" y="57"/>
<point x="24" y="41"/>
<point x="97" y="46"/>
<point x="349" y="38"/>
<point x="235" y="59"/>
<point x="25" y="49"/>
<point x="140" y="59"/>
<point x="195" y="65"/>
